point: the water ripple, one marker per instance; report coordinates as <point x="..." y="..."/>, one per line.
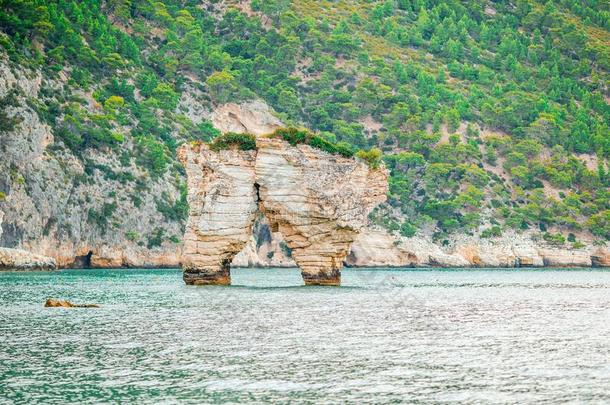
<point x="498" y="336"/>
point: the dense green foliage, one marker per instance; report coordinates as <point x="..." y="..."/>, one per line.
<point x="372" y="157"/>
<point x="482" y="108"/>
<point x="231" y="140"/>
<point x="296" y="136"/>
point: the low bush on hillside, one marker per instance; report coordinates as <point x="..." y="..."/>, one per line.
<point x="232" y="140"/>
<point x="494" y="231"/>
<point x="554" y="239"/>
<point x="372" y="157"/>
<point x="296" y="136"/>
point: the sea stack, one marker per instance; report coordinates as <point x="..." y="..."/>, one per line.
<point x="318" y="201"/>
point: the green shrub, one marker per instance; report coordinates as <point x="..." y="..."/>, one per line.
<point x="156" y="238"/>
<point x="100" y="218"/>
<point x="599" y="224"/>
<point x="205" y="132"/>
<point x="168" y="98"/>
<point x="318" y="142"/>
<point x="114" y="103"/>
<point x="132" y="235"/>
<point x="173" y="211"/>
<point x="392" y="225"/>
<point x="407" y="229"/>
<point x="2" y="196"/>
<point x="296" y="136"/>
<point x="7" y="124"/>
<point x="292" y="135"/>
<point x="554" y="239"/>
<point x="222" y="85"/>
<point x="494" y="231"/>
<point x="232" y="140"/>
<point x="152" y="155"/>
<point x="372" y="157"/>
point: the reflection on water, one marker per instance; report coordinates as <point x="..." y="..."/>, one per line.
<point x="384" y="336"/>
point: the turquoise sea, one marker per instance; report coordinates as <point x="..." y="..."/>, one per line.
<point x="384" y="336"/>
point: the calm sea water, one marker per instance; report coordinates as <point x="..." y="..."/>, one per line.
<point x="487" y="336"/>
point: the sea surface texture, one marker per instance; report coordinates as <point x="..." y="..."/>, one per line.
<point x="486" y="336"/>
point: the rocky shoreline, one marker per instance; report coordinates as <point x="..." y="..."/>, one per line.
<point x="22" y="260"/>
<point x="378" y="248"/>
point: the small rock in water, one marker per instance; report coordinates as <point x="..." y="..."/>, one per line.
<point x="51" y="303"/>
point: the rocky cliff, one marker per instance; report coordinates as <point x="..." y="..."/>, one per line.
<point x="92" y="210"/>
<point x="102" y="208"/>
<point x="318" y="202"/>
<point x="17" y="259"/>
<point x="20" y="260"/>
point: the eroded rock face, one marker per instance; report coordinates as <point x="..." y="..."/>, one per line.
<point x="601" y="257"/>
<point x="318" y="202"/>
<point x="512" y="249"/>
<point x="223" y="205"/>
<point x="50" y="198"/>
<point x="22" y="260"/>
<point x="18" y="259"/>
<point x="254" y="117"/>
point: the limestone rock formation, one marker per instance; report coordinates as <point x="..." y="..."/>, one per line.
<point x="600" y="257"/>
<point x="223" y="205"/>
<point x="563" y="258"/>
<point x="254" y="117"/>
<point x="318" y="202"/>
<point x="512" y="249"/>
<point x="18" y="260"/>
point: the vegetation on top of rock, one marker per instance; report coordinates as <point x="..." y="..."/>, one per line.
<point x="372" y="157"/>
<point x="296" y="136"/>
<point x="232" y="140"/>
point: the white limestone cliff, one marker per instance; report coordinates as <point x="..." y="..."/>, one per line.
<point x="318" y="202"/>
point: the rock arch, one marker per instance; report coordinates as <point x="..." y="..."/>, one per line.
<point x="319" y="202"/>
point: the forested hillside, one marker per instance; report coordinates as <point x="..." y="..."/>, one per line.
<point x="491" y="115"/>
